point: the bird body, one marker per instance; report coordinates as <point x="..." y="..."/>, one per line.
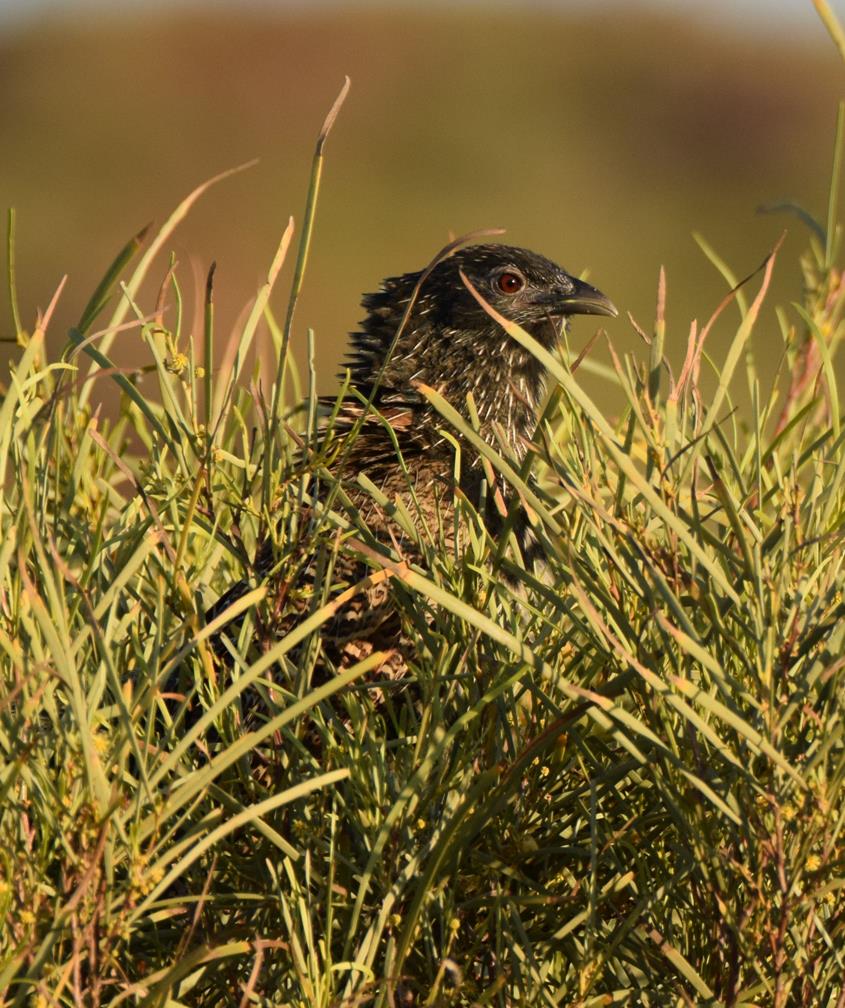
<point x="429" y="328"/>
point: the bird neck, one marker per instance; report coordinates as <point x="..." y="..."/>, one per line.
<point x="505" y="382"/>
<point x="506" y="401"/>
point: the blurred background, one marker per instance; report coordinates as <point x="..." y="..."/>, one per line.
<point x="599" y="134"/>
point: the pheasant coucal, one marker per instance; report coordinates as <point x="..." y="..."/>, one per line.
<point x="450" y="342"/>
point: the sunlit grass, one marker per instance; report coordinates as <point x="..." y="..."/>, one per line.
<point x="617" y="779"/>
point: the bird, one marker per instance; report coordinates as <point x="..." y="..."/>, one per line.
<point x="430" y="328"/>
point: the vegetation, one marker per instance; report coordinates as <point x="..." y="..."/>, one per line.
<point x="617" y="781"/>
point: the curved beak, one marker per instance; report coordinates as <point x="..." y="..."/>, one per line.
<point x="584" y="299"/>
<point x="576" y="298"/>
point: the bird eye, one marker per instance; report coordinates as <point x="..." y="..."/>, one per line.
<point x="510" y="282"/>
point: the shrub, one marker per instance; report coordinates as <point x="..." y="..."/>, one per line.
<point x="615" y="781"/>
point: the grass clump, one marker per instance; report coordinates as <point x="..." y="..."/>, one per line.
<point x="615" y="781"/>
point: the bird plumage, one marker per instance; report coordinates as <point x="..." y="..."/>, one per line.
<point x="428" y="328"/>
<point x="451" y="343"/>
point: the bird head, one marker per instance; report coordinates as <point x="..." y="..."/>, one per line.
<point x="522" y="286"/>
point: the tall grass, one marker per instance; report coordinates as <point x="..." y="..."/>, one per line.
<point x="617" y="780"/>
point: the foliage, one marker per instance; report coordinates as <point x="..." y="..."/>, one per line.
<point x="615" y="780"/>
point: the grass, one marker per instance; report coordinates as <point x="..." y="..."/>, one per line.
<point x="615" y="782"/>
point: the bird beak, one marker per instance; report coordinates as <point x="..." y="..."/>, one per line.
<point x="584" y="299"/>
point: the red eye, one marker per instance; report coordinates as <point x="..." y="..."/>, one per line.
<point x="510" y="283"/>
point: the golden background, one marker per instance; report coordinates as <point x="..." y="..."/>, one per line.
<point x="599" y="139"/>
